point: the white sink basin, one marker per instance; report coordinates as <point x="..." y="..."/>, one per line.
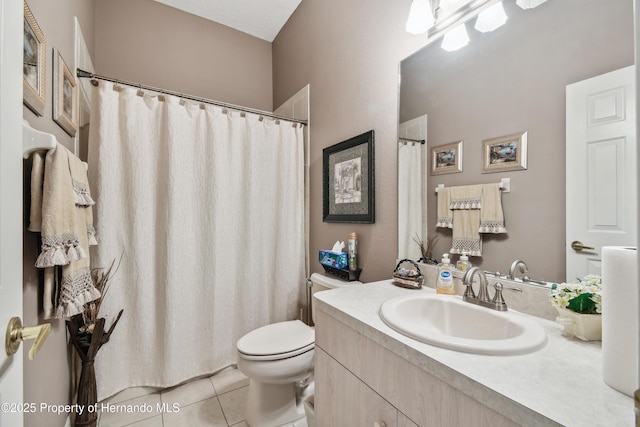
<point x="447" y="321"/>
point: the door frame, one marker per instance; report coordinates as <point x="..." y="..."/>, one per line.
<point x="11" y="196"/>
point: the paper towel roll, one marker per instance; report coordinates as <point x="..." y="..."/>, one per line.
<point x="620" y="318"/>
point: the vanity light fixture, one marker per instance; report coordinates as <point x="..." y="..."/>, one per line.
<point x="455" y="39"/>
<point x="420" y="17"/>
<point x="491" y="18"/>
<point x="529" y="4"/>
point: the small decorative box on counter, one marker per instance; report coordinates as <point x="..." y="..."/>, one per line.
<point x="332" y="259"/>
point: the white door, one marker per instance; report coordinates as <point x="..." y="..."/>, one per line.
<point x="11" y="28"/>
<point x="601" y="169"/>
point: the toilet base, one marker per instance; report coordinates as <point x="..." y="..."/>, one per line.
<point x="271" y="405"/>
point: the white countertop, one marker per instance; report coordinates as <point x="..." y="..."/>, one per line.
<point x="562" y="382"/>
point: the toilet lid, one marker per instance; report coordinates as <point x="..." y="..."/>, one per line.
<point x="278" y="339"/>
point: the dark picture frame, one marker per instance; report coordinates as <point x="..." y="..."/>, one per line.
<point x="34" y="64"/>
<point x="348" y="180"/>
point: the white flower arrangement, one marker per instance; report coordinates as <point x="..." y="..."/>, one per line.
<point x="582" y="295"/>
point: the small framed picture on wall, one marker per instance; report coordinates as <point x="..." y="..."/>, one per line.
<point x="65" y="95"/>
<point x="505" y="153"/>
<point x="446" y="158"/>
<point x="34" y="64"/>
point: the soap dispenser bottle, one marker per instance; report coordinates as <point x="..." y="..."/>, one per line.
<point x="463" y="263"/>
<point x="444" y="284"/>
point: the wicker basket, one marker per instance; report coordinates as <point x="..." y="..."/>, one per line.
<point x="409" y="281"/>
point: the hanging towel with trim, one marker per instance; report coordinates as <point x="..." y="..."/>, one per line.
<point x="470" y="210"/>
<point x="465" y="203"/>
<point x="445" y="215"/>
<point x="61" y="211"/>
<point x="491" y="214"/>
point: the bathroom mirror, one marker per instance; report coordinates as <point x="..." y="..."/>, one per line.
<point x="508" y="81"/>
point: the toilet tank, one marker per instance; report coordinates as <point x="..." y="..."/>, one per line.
<point x="324" y="283"/>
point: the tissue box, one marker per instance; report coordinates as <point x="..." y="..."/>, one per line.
<point x="334" y="259"/>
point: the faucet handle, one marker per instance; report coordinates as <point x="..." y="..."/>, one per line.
<point x="468" y="292"/>
<point x="498" y="299"/>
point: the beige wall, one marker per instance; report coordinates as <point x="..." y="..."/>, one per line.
<point x="349" y="53"/>
<point x="148" y="42"/>
<point x="509" y="81"/>
<point x="46" y="379"/>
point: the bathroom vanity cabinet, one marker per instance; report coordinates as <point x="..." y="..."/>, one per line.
<point x="359" y="383"/>
<point x="344" y="400"/>
<point x="367" y="373"/>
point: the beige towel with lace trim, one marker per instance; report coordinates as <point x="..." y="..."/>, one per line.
<point x="61" y="211"/>
<point x="491" y="214"/>
<point x="470" y="210"/>
<point x="465" y="204"/>
<point x="444" y="214"/>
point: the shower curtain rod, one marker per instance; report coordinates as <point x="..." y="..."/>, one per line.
<point x="87" y="75"/>
<point x="421" y="141"/>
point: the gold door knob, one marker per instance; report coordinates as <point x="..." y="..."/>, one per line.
<point x="578" y="246"/>
<point x="16" y="334"/>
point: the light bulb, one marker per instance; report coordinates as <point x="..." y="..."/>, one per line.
<point x="455" y="39"/>
<point x="491" y="18"/>
<point x="529" y="4"/>
<point x="420" y="17"/>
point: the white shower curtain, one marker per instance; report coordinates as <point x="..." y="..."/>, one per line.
<point x="206" y="208"/>
<point x="409" y="199"/>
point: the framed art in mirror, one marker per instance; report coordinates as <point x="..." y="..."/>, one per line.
<point x="348" y="180"/>
<point x="506" y="153"/>
<point x="34" y="65"/>
<point x="65" y="95"/>
<point x="446" y="158"/>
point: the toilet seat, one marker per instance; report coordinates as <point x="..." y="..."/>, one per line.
<point x="277" y="341"/>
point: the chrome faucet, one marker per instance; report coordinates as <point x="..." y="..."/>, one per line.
<point x="515" y="265"/>
<point x="497" y="303"/>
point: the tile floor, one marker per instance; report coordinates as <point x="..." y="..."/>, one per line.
<point x="216" y="401"/>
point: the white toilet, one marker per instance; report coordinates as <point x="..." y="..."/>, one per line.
<point x="274" y="358"/>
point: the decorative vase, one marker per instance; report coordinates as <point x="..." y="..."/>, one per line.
<point x="87" y="346"/>
<point x="587" y="327"/>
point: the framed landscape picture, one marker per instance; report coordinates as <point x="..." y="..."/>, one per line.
<point x="446" y="158"/>
<point x="34" y="64"/>
<point x="65" y="95"/>
<point x="348" y="180"/>
<point x="506" y="153"/>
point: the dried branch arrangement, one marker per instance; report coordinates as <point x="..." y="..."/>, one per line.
<point x="426" y="249"/>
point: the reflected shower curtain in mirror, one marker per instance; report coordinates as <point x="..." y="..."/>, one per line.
<point x="206" y="209"/>
<point x="409" y="199"/>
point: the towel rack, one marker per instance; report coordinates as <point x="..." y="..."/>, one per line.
<point x="505" y="185"/>
<point x="34" y="140"/>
